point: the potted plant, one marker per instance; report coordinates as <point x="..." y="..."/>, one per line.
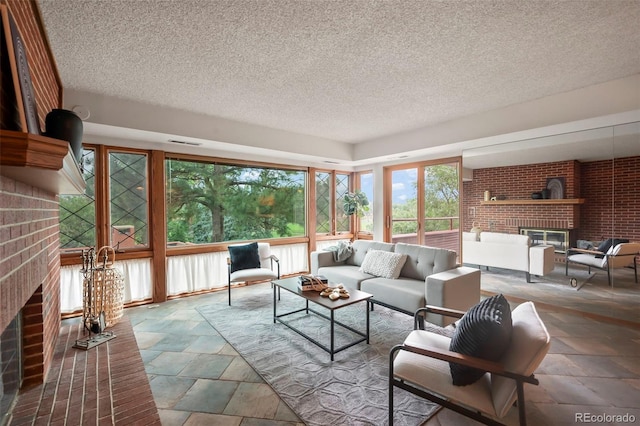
<point x="355" y="203"/>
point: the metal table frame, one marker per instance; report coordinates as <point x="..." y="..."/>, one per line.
<point x="291" y="285"/>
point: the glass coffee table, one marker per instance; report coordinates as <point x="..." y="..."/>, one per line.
<point x="291" y="285"/>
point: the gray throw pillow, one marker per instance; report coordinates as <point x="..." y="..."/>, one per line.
<point x="384" y="264"/>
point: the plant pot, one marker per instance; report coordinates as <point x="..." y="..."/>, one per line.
<point x="67" y="126"/>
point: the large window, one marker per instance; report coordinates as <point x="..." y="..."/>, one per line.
<point x="213" y="202"/>
<point x="78" y="212"/>
<point x="128" y="200"/>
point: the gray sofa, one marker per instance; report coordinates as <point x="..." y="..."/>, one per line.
<point x="429" y="275"/>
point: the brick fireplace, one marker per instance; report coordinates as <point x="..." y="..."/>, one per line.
<point x="53" y="388"/>
<point x="515" y="184"/>
<point x="30" y="272"/>
<point x="601" y="199"/>
<point x="560" y="239"/>
<point x="29" y="230"/>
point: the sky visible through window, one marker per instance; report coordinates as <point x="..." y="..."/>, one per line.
<point x="404" y="185"/>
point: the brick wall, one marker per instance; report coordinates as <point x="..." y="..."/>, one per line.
<point x="30" y="270"/>
<point x="29" y="230"/>
<point x="613" y="199"/>
<point x="517" y="183"/>
<point x="610" y="189"/>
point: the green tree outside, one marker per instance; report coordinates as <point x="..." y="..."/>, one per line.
<point x="210" y="202"/>
<point x="441" y="196"/>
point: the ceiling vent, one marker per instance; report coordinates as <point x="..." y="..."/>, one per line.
<point x="185" y="142"/>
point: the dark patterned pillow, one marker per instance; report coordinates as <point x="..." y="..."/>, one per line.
<point x="483" y="332"/>
<point x="244" y="257"/>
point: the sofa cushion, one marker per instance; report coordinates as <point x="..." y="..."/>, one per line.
<point x="500" y="237"/>
<point x="588" y="259"/>
<point x="509" y="251"/>
<point x="361" y="247"/>
<point x="483" y="332"/>
<point x="244" y="256"/>
<point x="348" y="275"/>
<point x="404" y="294"/>
<point x="470" y="236"/>
<point x="423" y="261"/>
<point x="433" y="374"/>
<point x="384" y="264"/>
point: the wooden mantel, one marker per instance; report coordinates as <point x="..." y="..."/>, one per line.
<point x="41" y="162"/>
<point x="532" y="201"/>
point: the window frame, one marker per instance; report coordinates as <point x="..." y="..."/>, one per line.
<point x="149" y="217"/>
<point x="419" y="165"/>
<point x="72" y="251"/>
<point x="333" y="234"/>
<point x="361" y="234"/>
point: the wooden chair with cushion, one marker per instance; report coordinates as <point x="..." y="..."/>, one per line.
<point x="424" y="364"/>
<point x="251" y="262"/>
<point x="619" y="255"/>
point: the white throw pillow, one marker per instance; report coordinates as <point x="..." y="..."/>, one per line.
<point x="384" y="264"/>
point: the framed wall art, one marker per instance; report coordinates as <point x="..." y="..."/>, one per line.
<point x="20" y="72"/>
<point x="555" y="186"/>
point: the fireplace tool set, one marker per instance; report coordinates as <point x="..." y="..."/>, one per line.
<point x="103" y="292"/>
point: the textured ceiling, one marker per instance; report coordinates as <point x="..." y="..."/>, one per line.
<point x="343" y="70"/>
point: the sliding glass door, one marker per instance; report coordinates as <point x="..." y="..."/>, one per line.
<point x="423" y="204"/>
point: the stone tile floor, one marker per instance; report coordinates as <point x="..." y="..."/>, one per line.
<point x="197" y="378"/>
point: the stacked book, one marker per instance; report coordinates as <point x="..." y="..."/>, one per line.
<point x="311" y="282"/>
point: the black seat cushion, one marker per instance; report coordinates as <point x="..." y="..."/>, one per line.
<point x="244" y="257"/>
<point x="608" y="243"/>
<point x="483" y="332"/>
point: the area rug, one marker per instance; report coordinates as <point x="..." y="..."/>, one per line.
<point x="351" y="390"/>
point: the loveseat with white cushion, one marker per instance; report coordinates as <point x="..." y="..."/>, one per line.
<point x="403" y="277"/>
<point x="508" y="251"/>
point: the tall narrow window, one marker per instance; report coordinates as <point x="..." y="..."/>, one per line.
<point x="405" y="225"/>
<point x="331" y="187"/>
<point x="323" y="203"/>
<point x="441" y="200"/>
<point x="78" y="212"/>
<point x="343" y="222"/>
<point x="365" y="184"/>
<point x="128" y="200"/>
